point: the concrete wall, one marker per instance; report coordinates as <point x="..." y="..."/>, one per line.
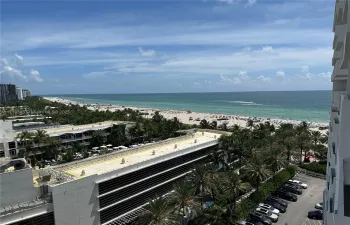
<point x="76" y="202"/>
<point x="17" y="187"/>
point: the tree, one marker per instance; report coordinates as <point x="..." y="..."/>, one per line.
<point x="256" y="170"/>
<point x="302" y="140"/>
<point x="184" y="201"/>
<point x="157" y="212"/>
<point x="316" y="137"/>
<point x="250" y="124"/>
<point x="274" y="157"/>
<point x="117" y="136"/>
<point x="223" y="126"/>
<point x="40" y="136"/>
<point x="204" y="124"/>
<point x="27" y="138"/>
<point x="53" y="145"/>
<point x="233" y="186"/>
<point x="213" y="125"/>
<point x="98" y="138"/>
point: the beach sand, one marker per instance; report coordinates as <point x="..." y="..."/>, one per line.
<point x="189" y="117"/>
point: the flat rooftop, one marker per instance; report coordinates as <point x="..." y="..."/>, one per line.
<point x="65" y="129"/>
<point x="106" y="163"/>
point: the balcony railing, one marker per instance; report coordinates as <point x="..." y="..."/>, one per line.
<point x="25" y="205"/>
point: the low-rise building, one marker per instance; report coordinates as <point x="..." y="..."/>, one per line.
<point x="108" y="189"/>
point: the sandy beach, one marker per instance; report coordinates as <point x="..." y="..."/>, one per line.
<point x="189" y="117"/>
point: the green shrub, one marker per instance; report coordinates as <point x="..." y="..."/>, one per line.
<point x="265" y="190"/>
<point x="315" y="167"/>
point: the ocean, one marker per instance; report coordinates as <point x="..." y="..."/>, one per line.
<point x="298" y="105"/>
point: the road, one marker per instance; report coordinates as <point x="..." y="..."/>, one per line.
<point x="297" y="211"/>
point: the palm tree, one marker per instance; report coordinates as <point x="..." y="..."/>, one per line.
<point x="250" y="124"/>
<point x="274" y="158"/>
<point x="53" y="144"/>
<point x="40" y="136"/>
<point x="202" y="180"/>
<point x="204" y="124"/>
<point x="27" y="138"/>
<point x="157" y="212"/>
<point x="302" y="140"/>
<point x="183" y="200"/>
<point x="233" y="186"/>
<point x="256" y="170"/>
<point x="316" y="137"/>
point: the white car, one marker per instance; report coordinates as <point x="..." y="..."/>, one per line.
<point x="319" y="205"/>
<point x="303" y="185"/>
<point x="267" y="213"/>
<point x="270" y="208"/>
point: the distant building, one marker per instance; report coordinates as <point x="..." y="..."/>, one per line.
<point x="8" y="92"/>
<point x="26" y="93"/>
<point x="336" y="201"/>
<point x="19" y="92"/>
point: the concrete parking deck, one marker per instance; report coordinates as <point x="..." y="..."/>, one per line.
<point x="297" y="211"/>
<point x="113" y="161"/>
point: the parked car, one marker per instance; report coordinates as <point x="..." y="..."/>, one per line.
<point x="243" y="222"/>
<point x="291" y="189"/>
<point x="278" y="200"/>
<point x="294" y="184"/>
<point x="267" y="213"/>
<point x="270" y="208"/>
<point x="303" y="185"/>
<point x="256" y="217"/>
<point x="317" y="214"/>
<point x="319" y="205"/>
<point x="276" y="205"/>
<point x="285" y="195"/>
<point x="254" y="222"/>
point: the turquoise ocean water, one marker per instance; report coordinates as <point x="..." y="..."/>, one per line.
<point x="298" y="105"/>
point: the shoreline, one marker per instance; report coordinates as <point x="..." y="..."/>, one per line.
<point x="190" y="117"/>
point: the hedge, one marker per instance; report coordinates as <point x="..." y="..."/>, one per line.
<point x="315" y="167"/>
<point x="265" y="190"/>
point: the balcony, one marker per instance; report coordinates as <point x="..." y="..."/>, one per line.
<point x="339" y="36"/>
<point x="338" y="72"/>
<point x="346" y="51"/>
<point x="336" y="56"/>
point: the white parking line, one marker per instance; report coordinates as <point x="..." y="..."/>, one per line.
<point x="311" y="222"/>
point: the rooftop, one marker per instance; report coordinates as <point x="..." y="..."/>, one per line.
<point x="106" y="163"/>
<point x="65" y="129"/>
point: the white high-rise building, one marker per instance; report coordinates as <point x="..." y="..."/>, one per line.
<point x="19" y="92"/>
<point x="337" y="191"/>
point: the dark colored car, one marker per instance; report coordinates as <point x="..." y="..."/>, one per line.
<point x="286" y="195"/>
<point x="278" y="200"/>
<point x="291" y="189"/>
<point x="317" y="214"/>
<point x="255" y="217"/>
<point x="276" y="205"/>
<point x="295" y="185"/>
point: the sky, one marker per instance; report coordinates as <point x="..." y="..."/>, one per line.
<point x="164" y="46"/>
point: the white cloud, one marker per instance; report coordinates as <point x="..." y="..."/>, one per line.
<point x="229" y="2"/>
<point x="98" y="74"/>
<point x="267" y="49"/>
<point x="36" y="76"/>
<point x="280" y="74"/>
<point x="15" y="70"/>
<point x="19" y="57"/>
<point x="251" y="2"/>
<point x="264" y="79"/>
<point x="149" y="52"/>
<point x="307" y="75"/>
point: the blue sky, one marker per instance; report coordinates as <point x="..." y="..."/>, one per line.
<point x="62" y="47"/>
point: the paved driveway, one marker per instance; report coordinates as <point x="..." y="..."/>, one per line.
<point x="297" y="211"/>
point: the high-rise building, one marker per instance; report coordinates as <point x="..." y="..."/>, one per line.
<point x="19" y="92"/>
<point x="337" y="191"/>
<point x="26" y="93"/>
<point x="8" y="92"/>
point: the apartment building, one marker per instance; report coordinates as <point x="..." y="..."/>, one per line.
<point x="108" y="189"/>
<point x="8" y="92"/>
<point x="337" y="190"/>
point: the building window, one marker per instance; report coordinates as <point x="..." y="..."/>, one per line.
<point x="12" y="144"/>
<point x="331" y="205"/>
<point x="328" y="185"/>
<point x="2" y="154"/>
<point x="13" y="152"/>
<point x="333" y="147"/>
<point x="347" y="200"/>
<point x="333" y="174"/>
